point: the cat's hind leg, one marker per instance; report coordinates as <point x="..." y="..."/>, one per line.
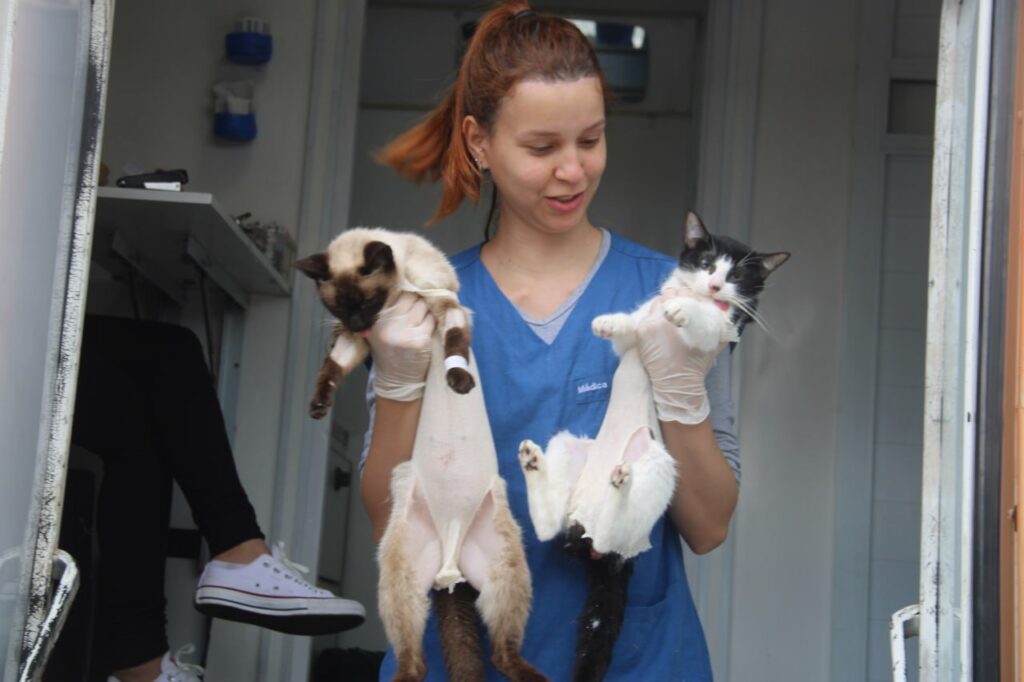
<point x="550" y="479"/>
<point x="493" y="560"/>
<point x="639" y="490"/>
<point x="457" y="334"/>
<point x="409" y="558"/>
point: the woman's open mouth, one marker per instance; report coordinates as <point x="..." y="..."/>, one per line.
<point x="566" y="203"/>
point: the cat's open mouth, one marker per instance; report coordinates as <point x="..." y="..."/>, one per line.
<point x="722" y="305"/>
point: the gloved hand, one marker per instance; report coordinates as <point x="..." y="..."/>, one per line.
<point x="400" y="344"/>
<point x="677" y="371"/>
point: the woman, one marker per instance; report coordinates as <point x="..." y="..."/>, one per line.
<point x="528" y="112"/>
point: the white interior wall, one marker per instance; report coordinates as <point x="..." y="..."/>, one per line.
<point x="781" y="598"/>
<point x="165" y="59"/>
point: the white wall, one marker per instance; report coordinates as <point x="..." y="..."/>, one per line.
<point x="788" y="409"/>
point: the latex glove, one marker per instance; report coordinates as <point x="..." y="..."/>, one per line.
<point x="400" y="343"/>
<point x="676" y="371"/>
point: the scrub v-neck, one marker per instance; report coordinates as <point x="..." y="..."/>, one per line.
<point x="561" y="315"/>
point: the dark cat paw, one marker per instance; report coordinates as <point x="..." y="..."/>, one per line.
<point x="460" y="380"/>
<point x="318" y="409"/>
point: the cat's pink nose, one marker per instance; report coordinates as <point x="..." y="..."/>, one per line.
<point x="715" y="288"/>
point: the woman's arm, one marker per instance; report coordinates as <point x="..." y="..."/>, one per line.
<point x="400" y="344"/>
<point x="394" y="431"/>
<point x="706" y="488"/>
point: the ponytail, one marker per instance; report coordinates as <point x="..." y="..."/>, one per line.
<point x="510" y="44"/>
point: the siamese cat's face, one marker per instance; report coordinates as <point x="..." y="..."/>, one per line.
<point x="355" y="277"/>
<point x="728" y="272"/>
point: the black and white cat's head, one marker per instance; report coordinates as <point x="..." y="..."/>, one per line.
<point x="724" y="270"/>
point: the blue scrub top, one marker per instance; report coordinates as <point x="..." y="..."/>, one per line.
<point x="534" y="390"/>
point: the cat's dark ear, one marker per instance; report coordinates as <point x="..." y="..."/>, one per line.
<point x="772" y="261"/>
<point x="377" y="256"/>
<point x="694" y="231"/>
<point x="314" y="267"/>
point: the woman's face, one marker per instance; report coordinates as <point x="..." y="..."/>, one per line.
<point x="546" y="152"/>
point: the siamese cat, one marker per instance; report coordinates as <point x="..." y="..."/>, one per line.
<point x="605" y="494"/>
<point x="362" y="272"/>
<point x="450" y="530"/>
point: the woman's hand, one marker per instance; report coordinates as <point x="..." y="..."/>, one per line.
<point x="677" y="371"/>
<point x="706" y="489"/>
<point x="400" y="343"/>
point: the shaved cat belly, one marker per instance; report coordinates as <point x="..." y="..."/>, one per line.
<point x="453" y="486"/>
<point x="453" y="456"/>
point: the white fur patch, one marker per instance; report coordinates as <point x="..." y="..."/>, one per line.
<point x="345" y="353"/>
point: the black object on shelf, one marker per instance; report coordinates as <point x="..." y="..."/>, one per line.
<point x="154" y="180"/>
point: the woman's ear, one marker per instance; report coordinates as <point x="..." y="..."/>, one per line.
<point x="476" y="141"/>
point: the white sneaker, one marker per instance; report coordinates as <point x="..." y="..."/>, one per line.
<point x="173" y="669"/>
<point x="271" y="593"/>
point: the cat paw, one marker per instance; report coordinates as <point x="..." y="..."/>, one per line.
<point x="675" y="312"/>
<point x="621" y="475"/>
<point x="530" y="456"/>
<point x="318" y="409"/>
<point x="611" y="326"/>
<point x="460" y="381"/>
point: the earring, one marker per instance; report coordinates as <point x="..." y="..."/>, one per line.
<point x="479" y="166"/>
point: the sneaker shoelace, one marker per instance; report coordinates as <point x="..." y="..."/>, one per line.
<point x="184" y="667"/>
<point x="296" y="569"/>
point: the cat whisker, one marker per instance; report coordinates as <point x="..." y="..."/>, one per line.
<point x="750" y="311"/>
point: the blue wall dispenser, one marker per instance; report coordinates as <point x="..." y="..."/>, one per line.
<point x="250" y="43"/>
<point x="234" y="117"/>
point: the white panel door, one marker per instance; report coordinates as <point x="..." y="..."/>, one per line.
<point x="52" y="70"/>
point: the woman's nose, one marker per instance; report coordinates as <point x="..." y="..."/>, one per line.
<point x="569" y="169"/>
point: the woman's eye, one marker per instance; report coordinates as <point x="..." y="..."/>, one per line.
<point x="590" y="142"/>
<point x="540" y="149"/>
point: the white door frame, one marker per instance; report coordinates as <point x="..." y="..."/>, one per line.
<point x="952" y="357"/>
<point x="324" y="208"/>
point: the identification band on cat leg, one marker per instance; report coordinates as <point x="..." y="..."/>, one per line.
<point x="455" y="362"/>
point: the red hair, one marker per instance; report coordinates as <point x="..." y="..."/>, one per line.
<point x="510" y="44"/>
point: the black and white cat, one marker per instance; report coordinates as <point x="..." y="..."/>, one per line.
<point x="607" y="493"/>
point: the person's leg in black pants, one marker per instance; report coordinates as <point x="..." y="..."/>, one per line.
<point x="147" y="406"/>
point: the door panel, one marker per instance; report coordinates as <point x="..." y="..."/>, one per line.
<point x="51" y="118"/>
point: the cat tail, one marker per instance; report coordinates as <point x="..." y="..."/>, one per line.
<point x="459" y="625"/>
<point x="602" y="616"/>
